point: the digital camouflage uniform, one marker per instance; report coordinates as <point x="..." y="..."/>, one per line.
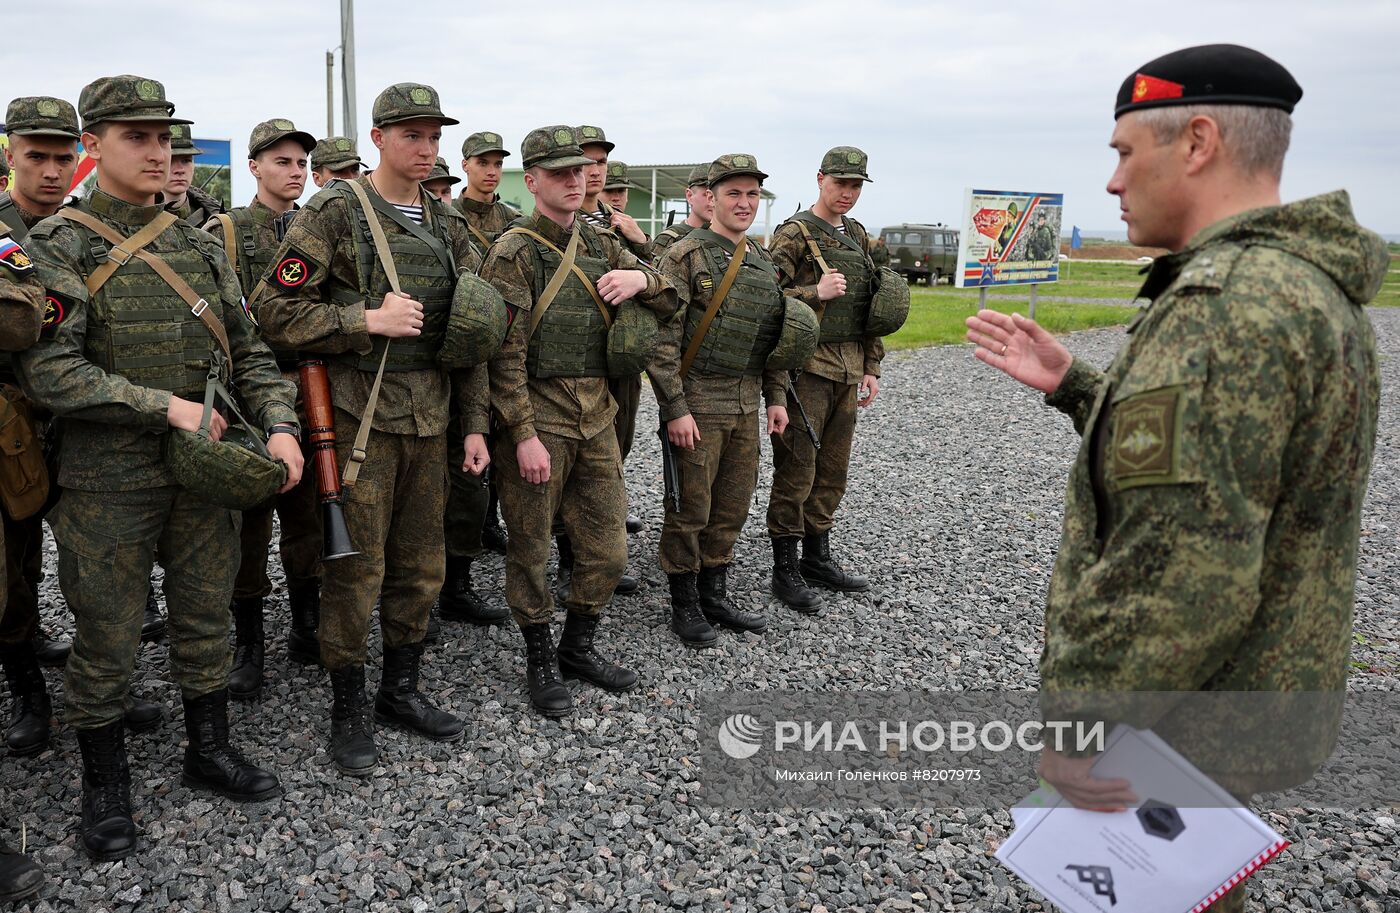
<point x="1041" y="243"/>
<point x="721" y="392"/>
<point x="571" y="410"/>
<point x="808" y="484"/>
<point x="879" y="253"/>
<point x="334" y="153"/>
<point x="198" y="207"/>
<point x="315" y="302"/>
<point x="699" y="177"/>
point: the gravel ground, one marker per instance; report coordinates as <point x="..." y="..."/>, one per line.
<point x="954" y="508"/>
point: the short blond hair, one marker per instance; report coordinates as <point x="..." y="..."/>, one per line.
<point x="1255" y="137"/>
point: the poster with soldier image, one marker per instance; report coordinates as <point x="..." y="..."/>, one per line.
<point x="1009" y="238"/>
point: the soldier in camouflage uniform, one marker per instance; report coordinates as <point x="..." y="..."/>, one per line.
<point x="844" y="373"/>
<point x="708" y="390"/>
<point x="1213" y="512"/>
<point x="616" y="187"/>
<point x="328" y="292"/>
<point x="250" y="236"/>
<point x="121" y="364"/>
<point x="483" y="155"/>
<point x="557" y="453"/>
<point x="43" y="136"/>
<point x="1041" y="243"/>
<point x="879" y="252"/>
<point x="334" y="158"/>
<point x="700" y="205"/>
<point x="440" y="181"/>
<point x="181" y="196"/>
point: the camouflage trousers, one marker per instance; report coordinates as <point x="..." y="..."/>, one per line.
<point x="299" y="545"/>
<point x="586" y="492"/>
<point x="467" y="500"/>
<point x="107" y="544"/>
<point x="717" y="479"/>
<point x="627" y="392"/>
<point x="23" y="572"/>
<point x="808" y="484"/>
<point x="394" y="515"/>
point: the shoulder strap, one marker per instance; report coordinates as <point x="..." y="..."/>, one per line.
<point x="571" y="266"/>
<point x="381" y="205"/>
<point x="10" y="218"/>
<point x="125" y="248"/>
<point x="730" y="274"/>
<point x="230" y="239"/>
<point x="845" y="239"/>
<point x="556" y="282"/>
<point x="812" y="246"/>
<point x="480" y="236"/>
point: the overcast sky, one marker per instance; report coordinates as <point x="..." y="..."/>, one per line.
<point x="941" y="96"/>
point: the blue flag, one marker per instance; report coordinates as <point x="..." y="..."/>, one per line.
<point x="1075" y="242"/>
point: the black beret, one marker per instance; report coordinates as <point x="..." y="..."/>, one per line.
<point x="1211" y="74"/>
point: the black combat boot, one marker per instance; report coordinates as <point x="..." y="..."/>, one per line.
<point x="459" y="602"/>
<point x="686" y="621"/>
<point x="718" y="610"/>
<point x="108" y="831"/>
<point x="303" y="640"/>
<point x="20" y="876"/>
<point x="352" y="741"/>
<point x="565" y="574"/>
<point x="245" y="681"/>
<point x="493" y="535"/>
<point x="626" y="585"/>
<point x="142" y="716"/>
<point x="818" y="567"/>
<point x="634" y="524"/>
<point x="212" y="763"/>
<point x="577" y="656"/>
<point x="548" y="693"/>
<point x="433" y="633"/>
<point x="153" y="625"/>
<point x="50" y="651"/>
<point x="400" y="703"/>
<point x="30" y="709"/>
<point x="788" y="584"/>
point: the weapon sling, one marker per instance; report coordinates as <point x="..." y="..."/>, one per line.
<point x="730" y="274"/>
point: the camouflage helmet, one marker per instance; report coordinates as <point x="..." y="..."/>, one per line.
<point x="407" y="101"/>
<point x="476" y="325"/>
<point x="735" y="165"/>
<point x="589" y="135"/>
<point x="440" y="172"/>
<point x="845" y="162"/>
<point x="699" y="176"/>
<point x="234" y="472"/>
<point x="797" y="341"/>
<point x="889" y="306"/>
<point x="552" y="148"/>
<point x="335" y="153"/>
<point x="40" y="115"/>
<point x="271" y="132"/>
<point x="182" y="141"/>
<point x="632" y="339"/>
<point x="125" y="98"/>
<point x="617" y="176"/>
<point x="482" y="143"/>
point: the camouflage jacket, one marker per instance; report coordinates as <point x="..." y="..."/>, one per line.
<point x="486" y="220"/>
<point x="599" y="219"/>
<point x="14" y="221"/>
<point x="687" y="268"/>
<point x="261" y="217"/>
<point x="296" y="314"/>
<point x="198" y="207"/>
<point x="843" y="362"/>
<point x="21" y="302"/>
<point x="664" y="239"/>
<point x="114" y="430"/>
<point x="574" y="407"/>
<point x="1213" y="511"/>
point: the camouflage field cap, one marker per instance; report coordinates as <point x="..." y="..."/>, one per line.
<point x="126" y="98"/>
<point x="617" y="176"/>
<point x="845" y="162"/>
<point x="594" y="136"/>
<point x="40" y="115"/>
<point x="441" y="173"/>
<point x="699" y="176"/>
<point x="273" y="131"/>
<point x="406" y="101"/>
<point x="552" y="148"/>
<point x="335" y="153"/>
<point x="182" y="141"/>
<point x="736" y="164"/>
<point x="482" y="143"/>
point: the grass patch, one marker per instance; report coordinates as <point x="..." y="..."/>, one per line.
<point x="937" y="319"/>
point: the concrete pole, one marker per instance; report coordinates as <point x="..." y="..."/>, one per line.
<point x="347" y="67"/>
<point x="330" y="93"/>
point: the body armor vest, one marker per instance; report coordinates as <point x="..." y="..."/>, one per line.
<point x="843" y="319"/>
<point x="11" y="222"/>
<point x="572" y="338"/>
<point x="749" y="320"/>
<point x="422" y="275"/>
<point x="140" y="328"/>
<point x="252" y="261"/>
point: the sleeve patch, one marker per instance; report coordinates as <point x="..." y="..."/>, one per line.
<point x="1145" y="437"/>
<point x="57" y="307"/>
<point x="292" y="271"/>
<point x="13" y="256"/>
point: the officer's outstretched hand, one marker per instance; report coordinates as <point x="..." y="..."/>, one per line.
<point x="620" y="284"/>
<point x="185" y="415"/>
<point x="287" y="449"/>
<point x="832" y="285"/>
<point x="1020" y="347"/>
<point x="534" y="461"/>
<point x="478" y="457"/>
<point x="777" y="419"/>
<point x="1072" y="777"/>
<point x="397" y="316"/>
<point x="683" y="432"/>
